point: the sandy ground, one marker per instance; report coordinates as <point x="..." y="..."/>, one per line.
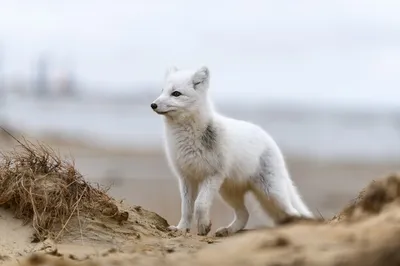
<point x="143" y="178"/>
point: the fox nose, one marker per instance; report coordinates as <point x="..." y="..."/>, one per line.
<point x="153" y="106"/>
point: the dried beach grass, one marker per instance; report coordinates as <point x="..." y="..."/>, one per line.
<point x="372" y="199"/>
<point x="41" y="188"/>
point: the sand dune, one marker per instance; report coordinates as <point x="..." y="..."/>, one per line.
<point x="365" y="234"/>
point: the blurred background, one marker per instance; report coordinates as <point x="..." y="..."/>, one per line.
<point x="321" y="76"/>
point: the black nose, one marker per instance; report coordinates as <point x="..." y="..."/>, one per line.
<point x="153" y="106"/>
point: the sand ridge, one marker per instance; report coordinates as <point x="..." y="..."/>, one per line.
<point x="358" y="239"/>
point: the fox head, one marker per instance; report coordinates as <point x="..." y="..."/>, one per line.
<point x="184" y="92"/>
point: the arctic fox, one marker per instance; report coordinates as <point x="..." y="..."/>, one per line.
<point x="211" y="153"/>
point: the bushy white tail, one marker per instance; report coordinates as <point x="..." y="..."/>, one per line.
<point x="297" y="201"/>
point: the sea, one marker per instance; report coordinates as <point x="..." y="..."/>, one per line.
<point x="308" y="131"/>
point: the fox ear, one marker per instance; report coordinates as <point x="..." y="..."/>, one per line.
<point x="201" y="78"/>
<point x="170" y="70"/>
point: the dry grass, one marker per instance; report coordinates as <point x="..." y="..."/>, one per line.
<point x="372" y="199"/>
<point x="41" y="188"/>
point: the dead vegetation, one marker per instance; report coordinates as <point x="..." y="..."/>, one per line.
<point x="47" y="191"/>
<point x="372" y="199"/>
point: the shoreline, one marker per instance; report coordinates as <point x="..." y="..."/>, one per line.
<point x="88" y="146"/>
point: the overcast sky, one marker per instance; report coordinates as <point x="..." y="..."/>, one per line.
<point x="319" y="51"/>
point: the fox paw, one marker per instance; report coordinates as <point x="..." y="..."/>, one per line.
<point x="174" y="228"/>
<point x="223" y="232"/>
<point x="203" y="229"/>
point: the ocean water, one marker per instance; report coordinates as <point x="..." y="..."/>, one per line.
<point x="312" y="132"/>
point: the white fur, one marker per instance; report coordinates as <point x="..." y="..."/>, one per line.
<point x="211" y="153"/>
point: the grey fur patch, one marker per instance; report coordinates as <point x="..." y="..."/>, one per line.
<point x="264" y="172"/>
<point x="264" y="160"/>
<point x="209" y="137"/>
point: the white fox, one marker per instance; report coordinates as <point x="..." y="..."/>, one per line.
<point x="211" y="153"/>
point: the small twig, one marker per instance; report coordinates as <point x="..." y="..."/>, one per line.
<point x="17" y="140"/>
<point x="35" y="222"/>
<point x="80" y="226"/>
<point x="320" y="214"/>
<point x="73" y="182"/>
<point x="72" y="213"/>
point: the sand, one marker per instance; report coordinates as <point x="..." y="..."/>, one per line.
<point x="360" y="235"/>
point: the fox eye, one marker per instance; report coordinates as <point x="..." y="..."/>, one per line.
<point x="176" y="94"/>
